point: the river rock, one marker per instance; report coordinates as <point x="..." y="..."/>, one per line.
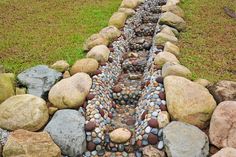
<point x="150" y="151"/>
<point x="120" y="135"/>
<point x="67" y="130"/>
<point x="100" y="53"/>
<point x="86" y="65"/>
<point x="164" y="57"/>
<point x="174" y="9"/>
<point x="60" y="66"/>
<point x="70" y="92"/>
<point x="7" y="86"/>
<point x="39" y="80"/>
<point x="118" y="20"/>
<point x="129" y="12"/>
<point x="110" y="33"/>
<point x="203" y="82"/>
<point x="182" y="139"/>
<point x="26" y="143"/>
<point x="222" y="130"/>
<point x="226" y="152"/>
<point x="94" y="40"/>
<point x="172" y="48"/>
<point x="129" y="4"/>
<point x="172" y="68"/>
<point x="161" y="38"/>
<point x="23" y="112"/>
<point x="223" y="91"/>
<point x="172" y="20"/>
<point x="188" y="101"/>
<point x="163" y="119"/>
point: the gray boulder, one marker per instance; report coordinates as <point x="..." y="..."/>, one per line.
<point x="67" y="130"/>
<point x="39" y="80"/>
<point x="185" y="140"/>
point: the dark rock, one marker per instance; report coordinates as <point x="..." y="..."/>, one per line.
<point x="143" y="115"/>
<point x="90" y="96"/>
<point x="163" y="107"/>
<point x="102" y="113"/>
<point x="153" y="123"/>
<point x="39" y="80"/>
<point x="91" y="146"/>
<point x="90" y="126"/>
<point x="223" y="91"/>
<point x="162" y="95"/>
<point x="110" y="115"/>
<point x="160" y="80"/>
<point x="97" y="72"/>
<point x="116" y="89"/>
<point x="110" y="59"/>
<point x="130" y="121"/>
<point x="152" y="139"/>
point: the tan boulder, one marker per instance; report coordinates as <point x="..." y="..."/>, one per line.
<point x="86" y="65"/>
<point x="22" y="143"/>
<point x="161" y="38"/>
<point x="129" y="4"/>
<point x="170" y="19"/>
<point x="94" y="40"/>
<point x="174" y="9"/>
<point x="70" y="92"/>
<point x="120" y="135"/>
<point x="7" y="86"/>
<point x="226" y="152"/>
<point x="60" y="66"/>
<point x="100" y="53"/>
<point x="164" y="57"/>
<point x="188" y="101"/>
<point x="172" y="48"/>
<point x="222" y="130"/>
<point x="172" y="68"/>
<point x="118" y="19"/>
<point x="110" y="33"/>
<point x="175" y="31"/>
<point x="129" y="12"/>
<point x="150" y="151"/>
<point x="23" y="112"/>
<point x="202" y="82"/>
<point x="167" y="30"/>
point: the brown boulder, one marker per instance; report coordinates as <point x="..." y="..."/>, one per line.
<point x="86" y="65"/>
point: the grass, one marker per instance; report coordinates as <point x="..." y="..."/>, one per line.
<point x="41" y="32"/>
<point x="208" y="46"/>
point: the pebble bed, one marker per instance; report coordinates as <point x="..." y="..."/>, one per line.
<point x="127" y="92"/>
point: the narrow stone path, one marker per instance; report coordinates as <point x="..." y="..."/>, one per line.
<point x="127" y="94"/>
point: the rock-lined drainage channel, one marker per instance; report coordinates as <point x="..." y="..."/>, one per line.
<point x="126" y="104"/>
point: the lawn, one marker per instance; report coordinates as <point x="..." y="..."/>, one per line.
<point x="41" y="32"/>
<point x="208" y="46"/>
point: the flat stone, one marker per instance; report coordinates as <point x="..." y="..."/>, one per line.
<point x="185" y="140"/>
<point x="67" y="130"/>
<point x="23" y="112"/>
<point x="39" y="80"/>
<point x="120" y="135"/>
<point x="25" y="143"/>
<point x="70" y="92"/>
<point x="222" y="130"/>
<point x="188" y="101"/>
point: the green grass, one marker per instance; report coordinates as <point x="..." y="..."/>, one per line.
<point x="41" y="32"/>
<point x="208" y="46"/>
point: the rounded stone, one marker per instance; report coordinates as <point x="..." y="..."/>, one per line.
<point x="153" y="123"/>
<point x="117" y="89"/>
<point x="162" y="96"/>
<point x="152" y="139"/>
<point x="90" y="126"/>
<point x="120" y="135"/>
<point x="90" y="96"/>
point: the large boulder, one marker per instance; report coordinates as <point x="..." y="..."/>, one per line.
<point x="173" y="68"/>
<point x="118" y="19"/>
<point x="172" y="48"/>
<point x="94" y="40"/>
<point x="129" y="4"/>
<point x="120" y="135"/>
<point x="86" y="65"/>
<point x="188" y="101"/>
<point x="67" y="130"/>
<point x="60" y="66"/>
<point x="70" y="92"/>
<point x="35" y="144"/>
<point x="222" y="130"/>
<point x="226" y="152"/>
<point x="185" y="140"/>
<point x="172" y="20"/>
<point x="174" y="9"/>
<point x="100" y="53"/>
<point x="223" y="91"/>
<point x="164" y="57"/>
<point x="39" y="80"/>
<point x="110" y="33"/>
<point x="23" y="112"/>
<point x="161" y="38"/>
<point x="7" y="86"/>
